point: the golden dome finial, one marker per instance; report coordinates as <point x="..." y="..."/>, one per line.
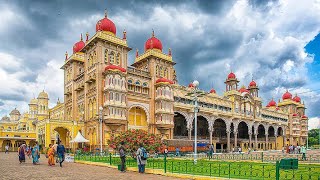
<point x="105" y="13"/>
<point x="87" y="36"/>
<point x="152" y="33"/>
<point x="66" y="55"/>
<point x="169" y="52"/>
<point x="124" y="34"/>
<point x="81" y="37"/>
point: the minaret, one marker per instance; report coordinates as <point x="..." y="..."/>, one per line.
<point x="231" y="82"/>
<point x="253" y="88"/>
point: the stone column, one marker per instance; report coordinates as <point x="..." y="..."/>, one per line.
<point x="275" y="142"/>
<point x="250" y="135"/>
<point x="235" y="139"/>
<point x="228" y="141"/>
<point x="256" y="141"/>
<point x="210" y="128"/>
<point x="266" y="148"/>
<point x="284" y="139"/>
<point x="189" y="133"/>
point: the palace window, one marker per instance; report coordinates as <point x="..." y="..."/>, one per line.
<point x="111" y="57"/>
<point x="118" y="59"/>
<point x="157" y="70"/>
<point x="161" y="71"/>
<point x="106" y="56"/>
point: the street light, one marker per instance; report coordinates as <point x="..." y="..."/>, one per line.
<point x="100" y="120"/>
<point x="195" y="94"/>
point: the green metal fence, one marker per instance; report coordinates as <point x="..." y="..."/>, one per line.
<point x="226" y="169"/>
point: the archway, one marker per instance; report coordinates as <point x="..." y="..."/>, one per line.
<point x="180" y="126"/>
<point x="7" y="142"/>
<point x="220" y="129"/>
<point x="137" y="118"/>
<point x="261" y="135"/>
<point x="63" y="135"/>
<point x="261" y="131"/>
<point x="280" y="131"/>
<point x="270" y="136"/>
<point x="202" y="128"/>
<point x="243" y="130"/>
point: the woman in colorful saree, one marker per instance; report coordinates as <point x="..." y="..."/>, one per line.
<point x="35" y="154"/>
<point x="51" y="155"/>
<point x="22" y="153"/>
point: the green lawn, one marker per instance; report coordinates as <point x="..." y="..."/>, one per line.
<point x="244" y="170"/>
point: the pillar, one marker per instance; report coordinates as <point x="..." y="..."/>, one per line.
<point x="228" y="141"/>
<point x="215" y="147"/>
<point x="275" y="145"/>
<point x="266" y="147"/>
<point x="256" y="141"/>
<point x="221" y="148"/>
<point x="250" y="135"/>
<point x="189" y="133"/>
<point x="210" y="134"/>
<point x="284" y="139"/>
<point x="235" y="139"/>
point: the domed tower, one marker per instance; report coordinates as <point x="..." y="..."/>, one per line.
<point x="253" y="88"/>
<point x="231" y="82"/>
<point x="43" y="105"/>
<point x="159" y="67"/>
<point x="15" y="115"/>
<point x="33" y="109"/>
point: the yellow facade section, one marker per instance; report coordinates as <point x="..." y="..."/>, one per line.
<point x="138" y="117"/>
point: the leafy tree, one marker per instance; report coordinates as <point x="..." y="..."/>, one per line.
<point x="134" y="137"/>
<point x="313" y="137"/>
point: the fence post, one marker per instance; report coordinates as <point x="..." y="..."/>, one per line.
<point x="110" y="158"/>
<point x="262" y="156"/>
<point x="165" y="164"/>
<point x="277" y="171"/>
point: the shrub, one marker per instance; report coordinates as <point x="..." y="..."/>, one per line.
<point x="133" y="137"/>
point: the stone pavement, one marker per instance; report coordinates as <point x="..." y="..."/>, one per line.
<point x="11" y="169"/>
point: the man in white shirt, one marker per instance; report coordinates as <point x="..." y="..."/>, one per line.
<point x="7" y="149"/>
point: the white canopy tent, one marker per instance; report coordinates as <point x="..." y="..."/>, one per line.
<point x="79" y="139"/>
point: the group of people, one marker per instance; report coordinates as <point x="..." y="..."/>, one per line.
<point x="141" y="156"/>
<point x="296" y="150"/>
<point x="56" y="151"/>
<point x="25" y="150"/>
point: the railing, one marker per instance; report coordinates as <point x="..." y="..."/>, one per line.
<point x="243" y="170"/>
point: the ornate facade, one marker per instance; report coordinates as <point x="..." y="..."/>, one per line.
<point x="146" y="95"/>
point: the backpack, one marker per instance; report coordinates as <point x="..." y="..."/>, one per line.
<point x="144" y="154"/>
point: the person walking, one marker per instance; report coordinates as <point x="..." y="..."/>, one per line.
<point x="51" y="155"/>
<point x="141" y="158"/>
<point x="304" y="151"/>
<point x="35" y="154"/>
<point x="211" y="148"/>
<point x="22" y="153"/>
<point x="61" y="153"/>
<point x="177" y="151"/>
<point x="7" y="149"/>
<point x="55" y="146"/>
<point x="165" y="152"/>
<point x="122" y="153"/>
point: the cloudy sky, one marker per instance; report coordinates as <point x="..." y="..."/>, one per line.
<point x="273" y="42"/>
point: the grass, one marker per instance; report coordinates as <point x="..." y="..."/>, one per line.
<point x="215" y="168"/>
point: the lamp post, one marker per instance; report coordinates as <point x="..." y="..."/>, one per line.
<point x="195" y="94"/>
<point x="100" y="120"/>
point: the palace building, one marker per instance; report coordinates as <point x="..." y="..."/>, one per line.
<point x="146" y="95"/>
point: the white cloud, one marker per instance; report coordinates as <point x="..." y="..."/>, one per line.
<point x="314" y="123"/>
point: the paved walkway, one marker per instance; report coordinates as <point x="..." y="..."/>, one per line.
<point x="11" y="169"/>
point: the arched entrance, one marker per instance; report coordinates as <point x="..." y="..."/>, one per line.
<point x="220" y="134"/>
<point x="63" y="135"/>
<point x="180" y="126"/>
<point x="261" y="136"/>
<point x="6" y="142"/>
<point x="202" y="128"/>
<point x="243" y="130"/>
<point x="137" y="118"/>
<point x="271" y="134"/>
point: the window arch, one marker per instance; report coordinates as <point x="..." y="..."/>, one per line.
<point x="161" y="71"/>
<point x="166" y="72"/>
<point x="118" y="59"/>
<point x="111" y="57"/>
<point x="106" y="56"/>
<point x="157" y="70"/>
